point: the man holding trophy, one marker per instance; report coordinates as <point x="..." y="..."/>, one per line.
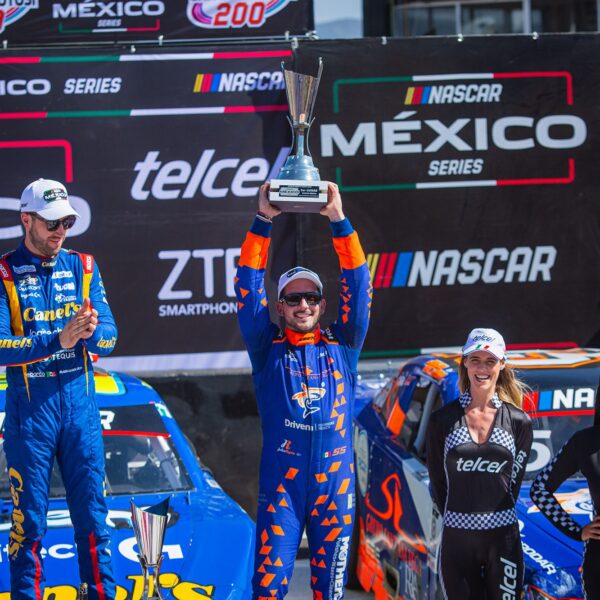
<point x="304" y="377"/>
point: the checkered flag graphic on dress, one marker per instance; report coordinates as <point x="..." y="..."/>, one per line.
<point x="479" y="521"/>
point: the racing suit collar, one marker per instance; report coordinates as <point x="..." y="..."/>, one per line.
<point x="302" y="339"/>
<point x="36" y="259"/>
<point x="465" y="400"/>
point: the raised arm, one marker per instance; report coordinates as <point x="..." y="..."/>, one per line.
<point x="356" y="290"/>
<point x="253" y="308"/>
<point x="548" y="480"/>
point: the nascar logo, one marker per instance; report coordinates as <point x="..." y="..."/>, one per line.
<point x="453" y="94"/>
<point x="562" y="400"/>
<point x="525" y="264"/>
<point x="238" y="82"/>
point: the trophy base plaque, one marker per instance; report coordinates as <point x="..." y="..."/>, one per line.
<point x="296" y="195"/>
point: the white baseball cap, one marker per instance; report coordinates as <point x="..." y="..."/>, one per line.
<point x="48" y="199"/>
<point x="485" y="340"/>
<point x="298" y="273"/>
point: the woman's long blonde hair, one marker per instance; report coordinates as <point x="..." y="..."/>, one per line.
<point x="508" y="387"/>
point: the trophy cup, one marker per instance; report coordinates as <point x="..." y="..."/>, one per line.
<point x="298" y="187"/>
<point x="149" y="526"/>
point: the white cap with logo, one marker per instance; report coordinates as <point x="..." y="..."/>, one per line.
<point x="48" y="199"/>
<point x="298" y="273"/>
<point x="485" y="340"/>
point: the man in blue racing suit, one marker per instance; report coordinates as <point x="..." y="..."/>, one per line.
<point x="304" y="378"/>
<point x="53" y="313"/>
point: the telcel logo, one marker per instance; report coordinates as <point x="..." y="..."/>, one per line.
<point x="180" y="179"/>
<point x="479" y="465"/>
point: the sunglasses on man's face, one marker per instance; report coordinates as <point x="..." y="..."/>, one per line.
<point x="54" y="224"/>
<point x="312" y="298"/>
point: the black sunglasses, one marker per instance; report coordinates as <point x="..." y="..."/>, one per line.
<point x="53" y="225"/>
<point x="312" y="298"/>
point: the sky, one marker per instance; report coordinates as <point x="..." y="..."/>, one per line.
<point x="331" y="10"/>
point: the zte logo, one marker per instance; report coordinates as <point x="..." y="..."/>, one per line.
<point x="524" y="264"/>
<point x="238" y="82"/>
<point x="211" y="258"/>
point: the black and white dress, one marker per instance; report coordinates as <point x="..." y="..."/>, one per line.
<point x="475" y="487"/>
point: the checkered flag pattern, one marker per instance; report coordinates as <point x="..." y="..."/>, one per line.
<point x="457" y="438"/>
<point x="465" y="400"/>
<point x="503" y="438"/>
<point x="549" y="505"/>
<point x="479" y="521"/>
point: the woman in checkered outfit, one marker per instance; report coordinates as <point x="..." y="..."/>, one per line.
<point x="477" y="450"/>
<point x="580" y="453"/>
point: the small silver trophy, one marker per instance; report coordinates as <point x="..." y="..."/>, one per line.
<point x="298" y="187"/>
<point x="149" y="526"/>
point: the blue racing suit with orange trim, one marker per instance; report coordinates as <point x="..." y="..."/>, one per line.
<point x="305" y="390"/>
<point x="51" y="412"/>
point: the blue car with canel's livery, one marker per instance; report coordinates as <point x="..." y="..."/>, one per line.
<point x="397" y="530"/>
<point x="209" y="539"/>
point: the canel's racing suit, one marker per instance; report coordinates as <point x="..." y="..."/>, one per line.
<point x="475" y="486"/>
<point x="580" y="453"/>
<point x="51" y="412"/>
<point x="305" y="387"/>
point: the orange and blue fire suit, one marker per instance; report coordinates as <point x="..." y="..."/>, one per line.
<point x="305" y="388"/>
<point x="51" y="412"/>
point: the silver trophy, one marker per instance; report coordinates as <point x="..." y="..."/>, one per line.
<point x="149" y="526"/>
<point x="298" y="187"/>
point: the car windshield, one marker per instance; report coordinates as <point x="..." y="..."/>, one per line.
<point x="139" y="454"/>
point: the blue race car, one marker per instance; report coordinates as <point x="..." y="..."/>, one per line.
<point x="397" y="534"/>
<point x="209" y="539"/>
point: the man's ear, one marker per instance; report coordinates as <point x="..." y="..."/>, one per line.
<point x="323" y="306"/>
<point x="279" y="308"/>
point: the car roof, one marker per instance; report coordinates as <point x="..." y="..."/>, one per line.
<point x="529" y="361"/>
<point x="112" y="389"/>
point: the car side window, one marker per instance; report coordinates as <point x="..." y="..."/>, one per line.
<point x="425" y="399"/>
<point x="387" y="398"/>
